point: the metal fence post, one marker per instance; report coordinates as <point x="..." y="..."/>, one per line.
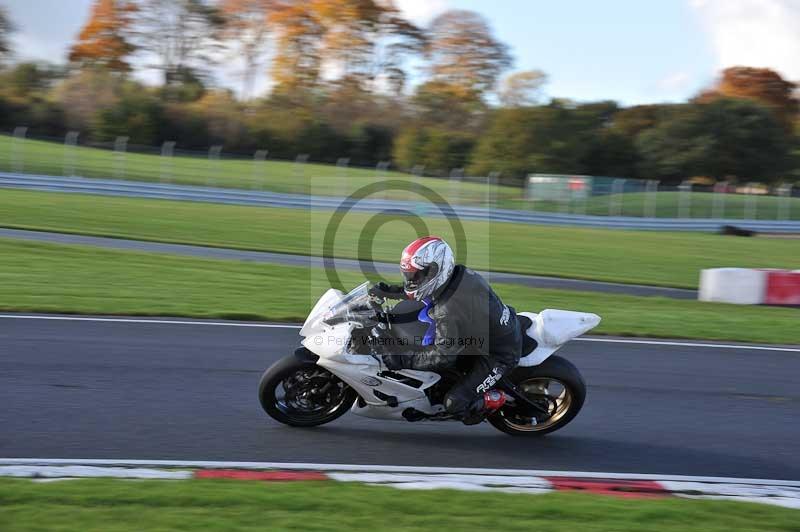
<point x="651" y="198"/>
<point x="615" y="198"/>
<point x="299" y="170"/>
<point x="259" y="158"/>
<point x="718" y="200"/>
<point x="341" y="164"/>
<point x="492" y="182"/>
<point x="583" y="191"/>
<point x="382" y="168"/>
<point x="784" y="201"/>
<point x="165" y="163"/>
<point x="70" y="141"/>
<point x="417" y="171"/>
<point x="120" y="147"/>
<point x="750" y="203"/>
<point x="530" y="193"/>
<point x="566" y="196"/>
<point x="18" y="149"/>
<point x="381" y="172"/>
<point x="215" y="165"/>
<point x="685" y="199"/>
<point x="456" y="178"/>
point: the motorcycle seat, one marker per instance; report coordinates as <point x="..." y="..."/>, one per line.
<point x="528" y="343"/>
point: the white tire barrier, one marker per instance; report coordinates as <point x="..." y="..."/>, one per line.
<point x="746" y="286"/>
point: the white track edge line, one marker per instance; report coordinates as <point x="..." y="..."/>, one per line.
<point x="391" y="469"/>
<point x="157" y="321"/>
<point x="689" y="344"/>
<point x="153" y="321"/>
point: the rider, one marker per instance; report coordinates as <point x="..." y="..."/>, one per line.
<point x="468" y="318"/>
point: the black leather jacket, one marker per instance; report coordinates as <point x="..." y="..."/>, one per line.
<point x="469" y="319"/>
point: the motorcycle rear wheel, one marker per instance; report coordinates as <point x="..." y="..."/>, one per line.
<point x="555" y="384"/>
<point x="311" y="395"/>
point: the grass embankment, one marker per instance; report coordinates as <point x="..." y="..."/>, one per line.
<point x="52" y="158"/>
<point x="37" y="277"/>
<point x="668" y="205"/>
<point x="637" y="257"/>
<point x="120" y="505"/>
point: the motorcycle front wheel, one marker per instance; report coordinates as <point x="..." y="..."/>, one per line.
<point x="301" y="394"/>
<point x="556" y="386"/>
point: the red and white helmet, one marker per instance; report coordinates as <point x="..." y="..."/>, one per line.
<point x="427" y="264"/>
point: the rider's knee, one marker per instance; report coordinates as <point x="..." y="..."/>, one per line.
<point x="455" y="403"/>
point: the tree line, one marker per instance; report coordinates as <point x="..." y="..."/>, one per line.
<point x="355" y="79"/>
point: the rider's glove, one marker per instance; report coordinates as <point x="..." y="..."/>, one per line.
<point x="387" y="291"/>
<point x="393" y="362"/>
<point x="360" y="346"/>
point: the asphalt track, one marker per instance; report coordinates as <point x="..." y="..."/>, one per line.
<point x="187" y="390"/>
<point x="388" y="269"/>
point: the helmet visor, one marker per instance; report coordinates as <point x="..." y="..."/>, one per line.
<point x="413" y="280"/>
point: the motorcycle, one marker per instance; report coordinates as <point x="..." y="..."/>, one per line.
<point x="330" y="375"/>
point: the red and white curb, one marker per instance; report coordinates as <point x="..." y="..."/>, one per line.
<point x="779" y="492"/>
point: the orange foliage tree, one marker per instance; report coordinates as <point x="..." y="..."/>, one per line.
<point x="361" y="40"/>
<point x="760" y="84"/>
<point x="464" y="53"/>
<point x="247" y="25"/>
<point x="103" y="40"/>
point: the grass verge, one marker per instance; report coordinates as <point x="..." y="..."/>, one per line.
<point x="37" y="277"/>
<point x="637" y="257"/>
<point x="120" y="505"/>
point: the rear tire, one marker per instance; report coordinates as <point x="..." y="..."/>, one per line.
<point x="309" y="407"/>
<point x="565" y="406"/>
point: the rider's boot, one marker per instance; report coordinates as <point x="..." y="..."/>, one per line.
<point x="483" y="405"/>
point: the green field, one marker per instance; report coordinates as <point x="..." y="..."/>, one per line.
<point x="37" y="277"/>
<point x="121" y="505"/>
<point x="638" y="257"/>
<point x="671" y="205"/>
<point x="50" y="158"/>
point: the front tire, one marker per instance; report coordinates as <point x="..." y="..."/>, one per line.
<point x="301" y="394"/>
<point x="555" y="384"/>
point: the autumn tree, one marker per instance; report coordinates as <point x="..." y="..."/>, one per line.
<point x="522" y="88"/>
<point x="441" y="104"/>
<point x="103" y="40"/>
<point x="760" y="84"/>
<point x="181" y="35"/>
<point x="360" y="40"/>
<point x="247" y="26"/>
<point x="296" y="63"/>
<point x="6" y="28"/>
<point x="366" y="40"/>
<point x="725" y="137"/>
<point x="84" y="93"/>
<point x="556" y="138"/>
<point x="464" y="53"/>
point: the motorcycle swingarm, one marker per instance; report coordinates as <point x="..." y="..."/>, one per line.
<point x="525" y="405"/>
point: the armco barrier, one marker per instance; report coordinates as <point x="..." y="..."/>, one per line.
<point x="747" y="286"/>
<point x="232" y="196"/>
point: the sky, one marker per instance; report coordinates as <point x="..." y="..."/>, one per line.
<point x="631" y="51"/>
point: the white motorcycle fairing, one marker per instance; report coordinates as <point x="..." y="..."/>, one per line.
<point x="552" y="329"/>
<point x="386" y="394"/>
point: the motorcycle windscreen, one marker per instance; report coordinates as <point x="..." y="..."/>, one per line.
<point x="334" y="308"/>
